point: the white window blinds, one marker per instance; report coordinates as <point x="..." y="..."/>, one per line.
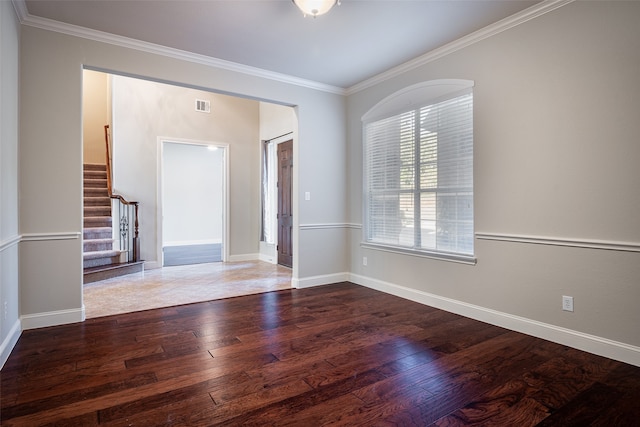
<point x="419" y="178"/>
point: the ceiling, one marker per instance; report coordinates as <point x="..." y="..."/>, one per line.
<point x="353" y="42"/>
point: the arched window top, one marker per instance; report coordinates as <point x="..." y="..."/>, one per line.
<point x="417" y="95"/>
<point x="418" y="172"/>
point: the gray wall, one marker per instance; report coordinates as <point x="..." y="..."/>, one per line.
<point x="9" y="231"/>
<point x="556" y="104"/>
<point x="144" y="111"/>
<point x="51" y="162"/>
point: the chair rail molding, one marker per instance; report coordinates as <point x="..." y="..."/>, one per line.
<point x="561" y="241"/>
<point x="11" y="241"/>
<point x="325" y="226"/>
<point x="38" y="237"/>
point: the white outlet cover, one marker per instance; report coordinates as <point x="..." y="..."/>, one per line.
<point x="567" y="303"/>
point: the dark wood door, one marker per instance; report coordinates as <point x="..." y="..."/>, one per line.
<point x="285" y="203"/>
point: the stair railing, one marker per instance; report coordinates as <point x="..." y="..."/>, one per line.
<point x="127" y="214"/>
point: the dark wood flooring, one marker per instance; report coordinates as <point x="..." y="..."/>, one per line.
<point x="332" y="355"/>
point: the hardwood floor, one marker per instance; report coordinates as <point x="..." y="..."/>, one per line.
<point x="332" y="355"/>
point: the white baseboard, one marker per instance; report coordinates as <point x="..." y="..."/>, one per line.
<point x="52" y="318"/>
<point x="192" y="242"/>
<point x="244" y="257"/>
<point x="9" y="342"/>
<point x="151" y="265"/>
<point x="325" y="279"/>
<point x="268" y="258"/>
<point x="590" y="343"/>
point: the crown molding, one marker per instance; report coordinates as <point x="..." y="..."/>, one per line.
<point x="486" y="32"/>
<point x="103" y="37"/>
<point x="100" y="36"/>
<point x="21" y="9"/>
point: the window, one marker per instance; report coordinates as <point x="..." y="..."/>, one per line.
<point x="418" y="162"/>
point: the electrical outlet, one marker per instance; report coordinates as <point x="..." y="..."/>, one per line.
<point x="5" y="310"/>
<point x="364" y="260"/>
<point x="567" y="303"/>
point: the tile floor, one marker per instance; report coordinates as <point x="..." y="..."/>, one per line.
<point x="182" y="285"/>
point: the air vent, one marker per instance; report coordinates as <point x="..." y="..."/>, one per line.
<point x="203" y="106"/>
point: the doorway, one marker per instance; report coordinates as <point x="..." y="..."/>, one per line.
<point x="285" y="203"/>
<point x="142" y="114"/>
<point x="193" y="195"/>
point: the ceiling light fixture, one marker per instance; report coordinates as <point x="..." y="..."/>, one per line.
<point x="315" y="7"/>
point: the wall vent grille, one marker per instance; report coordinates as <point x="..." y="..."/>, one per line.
<point x="203" y="106"/>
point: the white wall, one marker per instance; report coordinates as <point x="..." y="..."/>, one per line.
<point x="95" y="114"/>
<point x="556" y="104"/>
<point x="51" y="163"/>
<point x="276" y="120"/>
<point x="143" y="111"/>
<point x="192" y="194"/>
<point x="9" y="215"/>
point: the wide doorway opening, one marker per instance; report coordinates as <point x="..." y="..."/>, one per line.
<point x="192" y="160"/>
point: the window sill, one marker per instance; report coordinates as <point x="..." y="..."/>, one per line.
<point x="442" y="256"/>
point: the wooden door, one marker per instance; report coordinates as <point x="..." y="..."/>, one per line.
<point x="285" y="203"/>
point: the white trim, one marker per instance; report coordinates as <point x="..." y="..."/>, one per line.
<point x="9" y="342"/>
<point x="21" y="9"/>
<point x="417" y="96"/>
<point x="152" y="265"/>
<point x="562" y="241"/>
<point x="328" y="226"/>
<point x="486" y="32"/>
<point x="40" y="237"/>
<point x="244" y="257"/>
<point x="442" y="256"/>
<point x="267" y="258"/>
<point x="12" y="241"/>
<point x="129" y="43"/>
<point x="52" y="318"/>
<point x="192" y="242"/>
<point x="593" y="344"/>
<point x="325" y="279"/>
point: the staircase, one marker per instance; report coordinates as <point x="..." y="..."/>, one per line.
<point x="100" y="260"/>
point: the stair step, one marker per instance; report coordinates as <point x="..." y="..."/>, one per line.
<point x="91" y="233"/>
<point x="99" y="258"/>
<point x="97" y="221"/>
<point x="94" y="274"/>
<point x="94" y="167"/>
<point x="95" y="183"/>
<point x="97" y="245"/>
<point x="95" y="192"/>
<point x="91" y="211"/>
<point x="97" y="201"/>
<point x="100" y="254"/>
<point x="91" y="174"/>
